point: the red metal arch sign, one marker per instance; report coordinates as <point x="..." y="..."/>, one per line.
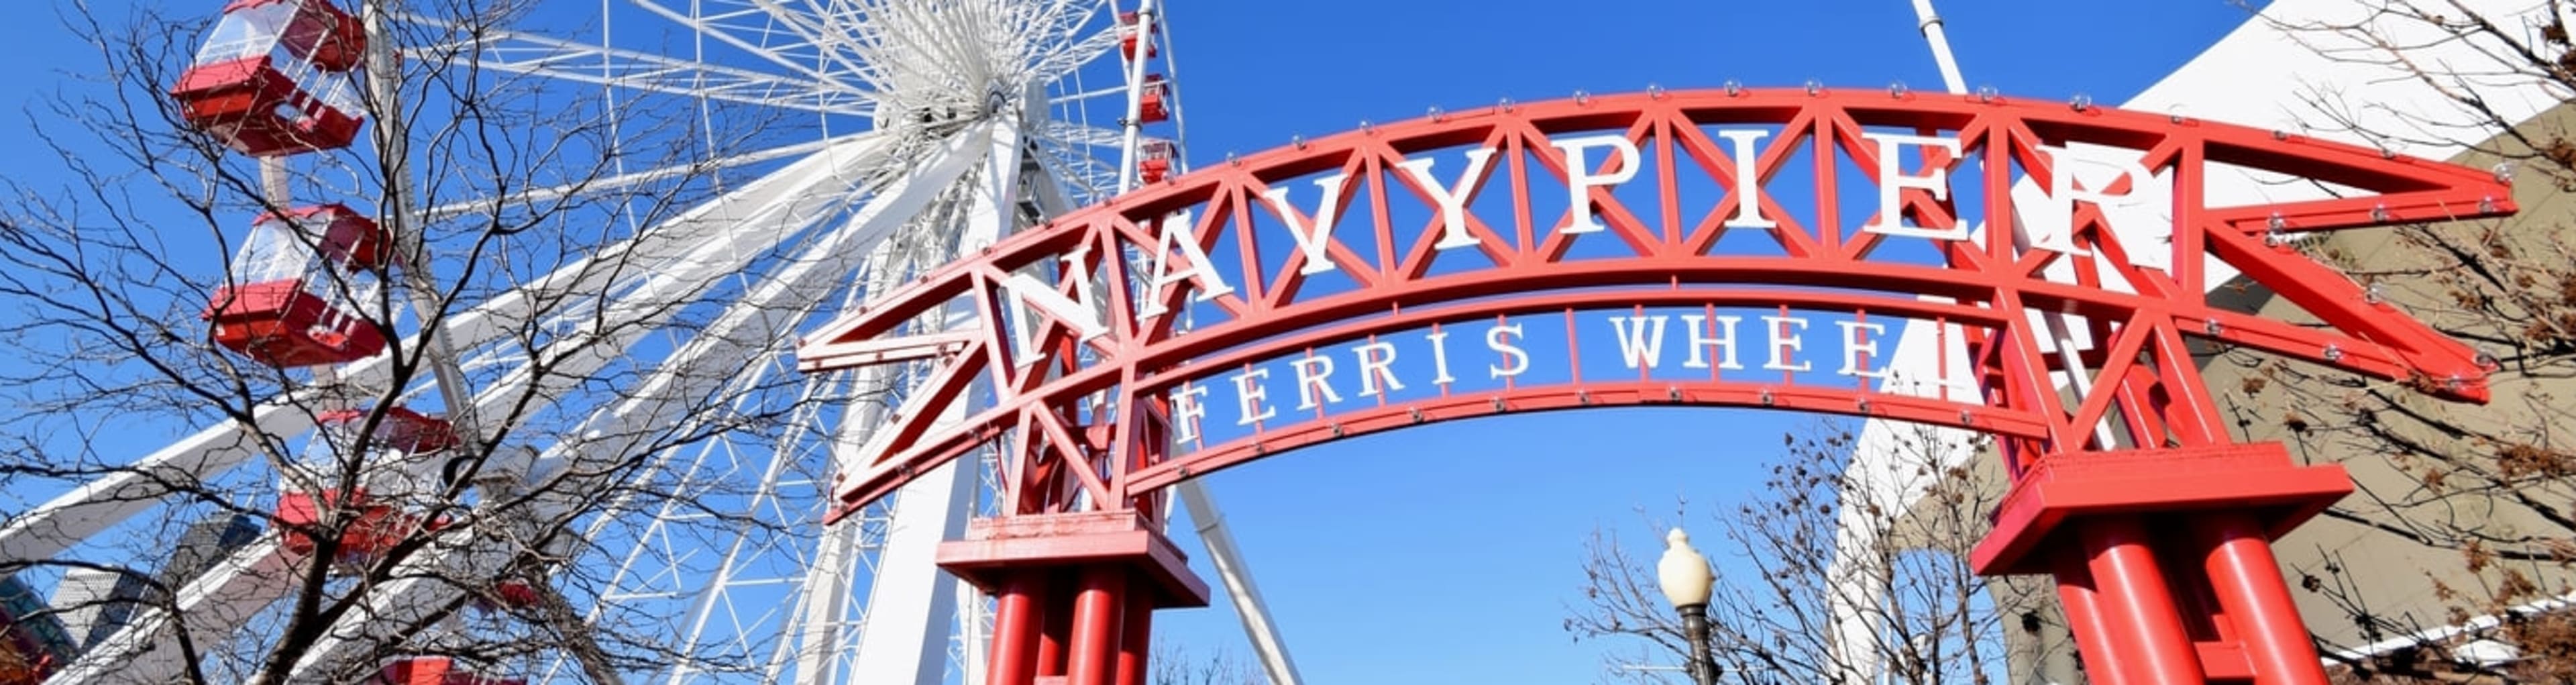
<point x="1097" y="382"/>
<point x="1728" y="248"/>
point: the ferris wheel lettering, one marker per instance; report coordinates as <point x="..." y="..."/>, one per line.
<point x="1311" y="240"/>
<point x="1026" y="292"/>
<point x="1510" y="355"/>
<point x="1451" y="200"/>
<point x="1580" y="179"/>
<point x="1176" y="235"/>
<point x="1700" y="342"/>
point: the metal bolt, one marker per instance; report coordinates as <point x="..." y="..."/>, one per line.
<point x="1766" y="397"/>
<point x="2379" y="213"/>
<point x="1583" y="397"/>
<point x="2278" y="134"/>
<point x="1337" y="430"/>
<point x="1417" y="414"/>
<point x="1966" y="418"/>
<point x="2333" y="353"/>
<point x="1815" y="86"/>
<point x="1299" y="141"/>
<point x="2486" y="204"/>
<point x="1896" y="89"/>
<point x="1582" y="97"/>
<point x="1434" y="112"/>
<point x="2504" y="172"/>
<point x="2487" y="361"/>
<point x="2214" y="328"/>
<point x="1734" y="87"/>
<point x="2371" y="294"/>
<point x="1655" y="90"/>
<point x="2385" y="153"/>
<point x="1366" y="127"/>
<point x="1987" y="94"/>
<point x="1504" y="104"/>
<point x="1864" y="405"/>
<point x="1674" y="392"/>
<point x="2080" y="102"/>
<point x="1498" y="404"/>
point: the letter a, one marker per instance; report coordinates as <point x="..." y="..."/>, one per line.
<point x="1177" y="236"/>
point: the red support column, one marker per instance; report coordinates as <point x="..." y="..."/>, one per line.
<point x="2102" y="663"/>
<point x="1097" y="632"/>
<point x="2251" y="591"/>
<point x="1057" y="630"/>
<point x="2136" y="604"/>
<point x="1017" y="611"/>
<point x="1138" y="643"/>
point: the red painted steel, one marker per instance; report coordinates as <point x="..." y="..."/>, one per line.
<point x="2102" y="659"/>
<point x="1016" y="615"/>
<point x="1084" y="418"/>
<point x="2249" y="587"/>
<point x="2136" y="605"/>
<point x="1097" y="629"/>
<point x="1136" y="644"/>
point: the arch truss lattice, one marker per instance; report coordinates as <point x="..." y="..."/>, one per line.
<point x="1349" y="284"/>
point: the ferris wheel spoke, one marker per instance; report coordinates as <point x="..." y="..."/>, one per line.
<point x="1085" y="51"/>
<point x="625" y="181"/>
<point x="779" y="37"/>
<point x="51" y="529"/>
<point x="760" y="321"/>
<point x="532" y="55"/>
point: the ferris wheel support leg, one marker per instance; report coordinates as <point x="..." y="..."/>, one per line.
<point x="1236" y="573"/>
<point x="904" y="638"/>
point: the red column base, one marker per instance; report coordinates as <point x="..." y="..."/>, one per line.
<point x="2259" y="480"/>
<point x="1099" y="575"/>
<point x="2169" y="550"/>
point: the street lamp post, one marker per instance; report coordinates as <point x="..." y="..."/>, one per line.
<point x="1686" y="581"/>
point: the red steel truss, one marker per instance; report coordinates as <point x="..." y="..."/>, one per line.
<point x="2155" y="523"/>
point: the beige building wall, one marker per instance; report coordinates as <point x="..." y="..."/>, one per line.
<point x="2348" y="552"/>
<point x="2395" y="576"/>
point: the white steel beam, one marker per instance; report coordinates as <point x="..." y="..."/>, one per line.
<point x="913" y="603"/>
<point x="1235" y="572"/>
<point x="762" y="319"/>
<point x="520" y="53"/>
<point x="761" y="210"/>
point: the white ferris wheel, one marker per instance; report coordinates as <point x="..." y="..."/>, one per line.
<point x="893" y="135"/>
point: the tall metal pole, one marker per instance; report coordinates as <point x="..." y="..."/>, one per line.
<point x="393" y="158"/>
<point x="2059" y="331"/>
<point x="1239" y="588"/>
<point x="1933" y="33"/>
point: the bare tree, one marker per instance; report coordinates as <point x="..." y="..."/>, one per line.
<point x="1778" y="572"/>
<point x="1175" y="665"/>
<point x="495" y="188"/>
<point x="2489" y="487"/>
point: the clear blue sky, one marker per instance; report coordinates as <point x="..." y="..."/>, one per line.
<point x="1449" y="553"/>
